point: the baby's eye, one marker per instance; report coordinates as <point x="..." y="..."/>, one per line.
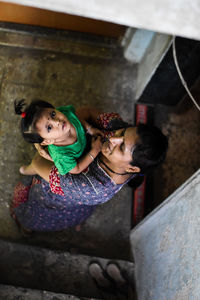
<point x="53" y="114"/>
<point x="49" y="128"/>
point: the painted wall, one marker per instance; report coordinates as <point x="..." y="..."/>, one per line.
<point x="166" y="244"/>
<point x="15" y="13"/>
<point x="180" y="17"/>
<point x="147" y="49"/>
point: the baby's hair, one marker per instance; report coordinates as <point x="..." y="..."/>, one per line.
<point x="30" y="115"/>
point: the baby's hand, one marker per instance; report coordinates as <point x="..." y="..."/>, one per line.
<point x="94" y="131"/>
<point x="96" y="145"/>
<point x="42" y="152"/>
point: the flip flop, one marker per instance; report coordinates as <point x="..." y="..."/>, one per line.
<point x="101" y="276"/>
<point x="119" y="277"/>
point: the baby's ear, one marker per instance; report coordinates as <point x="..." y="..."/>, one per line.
<point x="47" y="142"/>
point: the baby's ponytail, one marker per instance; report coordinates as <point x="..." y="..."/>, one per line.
<point x="18" y="105"/>
<point x="29" y="117"/>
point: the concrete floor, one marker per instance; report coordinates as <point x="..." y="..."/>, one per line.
<point x="63" y="68"/>
<point x="181" y="125"/>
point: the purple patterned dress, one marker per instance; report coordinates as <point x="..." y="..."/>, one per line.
<point x="66" y="200"/>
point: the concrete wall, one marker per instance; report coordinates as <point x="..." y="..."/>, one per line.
<point x="180" y="17"/>
<point x="166" y="247"/>
<point x="146" y="49"/>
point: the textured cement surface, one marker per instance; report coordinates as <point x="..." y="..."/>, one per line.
<point x="8" y="292"/>
<point x="182" y="126"/>
<point x="54" y="271"/>
<point x="63" y="69"/>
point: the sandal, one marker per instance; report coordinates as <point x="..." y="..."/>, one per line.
<point x="120" y="278"/>
<point x="103" y="282"/>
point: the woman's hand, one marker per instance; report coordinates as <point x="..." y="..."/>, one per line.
<point x="90" y="129"/>
<point x="96" y="145"/>
<point x="43" y="152"/>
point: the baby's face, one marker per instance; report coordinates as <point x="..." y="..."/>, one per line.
<point x="53" y="125"/>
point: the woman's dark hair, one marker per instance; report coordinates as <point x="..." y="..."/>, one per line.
<point x="32" y="114"/>
<point x="151" y="149"/>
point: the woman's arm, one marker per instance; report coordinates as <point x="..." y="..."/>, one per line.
<point x="41" y="166"/>
<point x="88" y="114"/>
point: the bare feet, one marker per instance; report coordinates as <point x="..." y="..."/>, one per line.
<point x="27" y="170"/>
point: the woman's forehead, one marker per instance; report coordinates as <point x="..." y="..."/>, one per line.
<point x="132" y="130"/>
<point x="131" y="137"/>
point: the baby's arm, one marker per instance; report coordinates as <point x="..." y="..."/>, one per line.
<point x="85" y="161"/>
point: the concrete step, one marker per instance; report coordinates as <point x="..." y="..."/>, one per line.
<point x="54" y="271"/>
<point x="9" y="292"/>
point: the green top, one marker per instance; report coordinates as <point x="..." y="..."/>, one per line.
<point x="65" y="157"/>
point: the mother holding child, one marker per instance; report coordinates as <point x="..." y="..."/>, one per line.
<point x="63" y="192"/>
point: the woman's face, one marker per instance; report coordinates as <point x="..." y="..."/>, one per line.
<point x="119" y="148"/>
<point x="53" y="125"/>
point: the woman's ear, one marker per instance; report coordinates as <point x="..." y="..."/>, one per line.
<point x="132" y="169"/>
<point x="47" y="142"/>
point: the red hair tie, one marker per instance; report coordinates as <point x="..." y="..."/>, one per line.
<point x="23" y="115"/>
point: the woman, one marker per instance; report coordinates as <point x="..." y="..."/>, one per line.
<point x="51" y="202"/>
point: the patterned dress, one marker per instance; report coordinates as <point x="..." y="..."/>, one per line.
<point x="66" y="200"/>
